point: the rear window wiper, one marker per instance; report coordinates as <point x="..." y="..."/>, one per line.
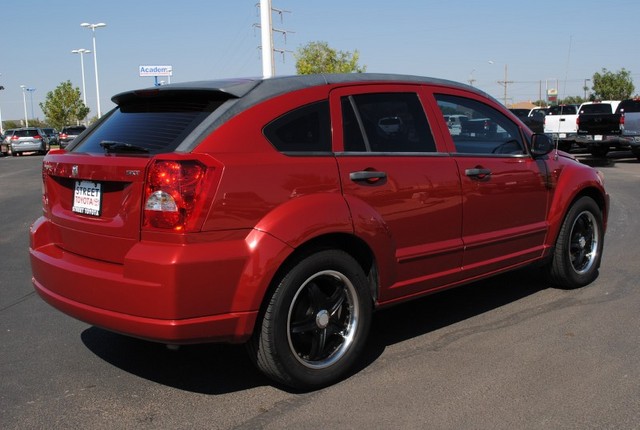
<point x="111" y="146"/>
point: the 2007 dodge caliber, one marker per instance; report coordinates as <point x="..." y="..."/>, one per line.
<point x="281" y="212"/>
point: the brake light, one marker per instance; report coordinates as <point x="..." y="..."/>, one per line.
<point x="37" y="136"/>
<point x="622" y="119"/>
<point x="173" y="193"/>
<point x="14" y="137"/>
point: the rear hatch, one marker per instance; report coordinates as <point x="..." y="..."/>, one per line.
<point x="94" y="191"/>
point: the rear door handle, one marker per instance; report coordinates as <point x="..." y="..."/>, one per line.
<point x="366" y="175"/>
<point x="477" y="172"/>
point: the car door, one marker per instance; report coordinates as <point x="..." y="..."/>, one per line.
<point x="402" y="190"/>
<point x="505" y="191"/>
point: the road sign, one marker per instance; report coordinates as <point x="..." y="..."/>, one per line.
<point x="156" y="71"/>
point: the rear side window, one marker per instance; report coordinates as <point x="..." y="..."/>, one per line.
<point x="563" y="110"/>
<point x="154" y="124"/>
<point x="385" y="122"/>
<point x="306" y="129"/>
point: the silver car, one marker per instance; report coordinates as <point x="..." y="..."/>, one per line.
<point x="29" y="140"/>
<point x="5" y="144"/>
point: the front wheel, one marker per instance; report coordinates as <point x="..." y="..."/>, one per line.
<point x="578" y="250"/>
<point x="316" y="322"/>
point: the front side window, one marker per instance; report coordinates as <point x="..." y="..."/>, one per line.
<point x="482" y="129"/>
<point x="385" y="122"/>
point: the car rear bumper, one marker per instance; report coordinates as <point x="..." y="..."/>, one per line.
<point x="198" y="292"/>
<point x="26" y="147"/>
<point x="231" y="327"/>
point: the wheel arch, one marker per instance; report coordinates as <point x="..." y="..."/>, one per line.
<point x="348" y="243"/>
<point x="560" y="208"/>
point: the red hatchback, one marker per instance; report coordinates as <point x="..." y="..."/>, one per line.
<point x="282" y="212"/>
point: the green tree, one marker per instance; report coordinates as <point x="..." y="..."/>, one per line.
<point x="612" y="86"/>
<point x="319" y="57"/>
<point x="572" y="100"/>
<point x="63" y="106"/>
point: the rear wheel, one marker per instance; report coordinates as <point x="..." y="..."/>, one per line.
<point x="316" y="322"/>
<point x="578" y="250"/>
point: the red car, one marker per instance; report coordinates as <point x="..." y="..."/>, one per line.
<point x="282" y="212"/>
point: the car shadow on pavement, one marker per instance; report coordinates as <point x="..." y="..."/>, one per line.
<point x="440" y="310"/>
<point x="204" y="368"/>
<point x="223" y="368"/>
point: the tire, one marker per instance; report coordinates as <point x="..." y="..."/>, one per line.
<point x="315" y="323"/>
<point x="578" y="251"/>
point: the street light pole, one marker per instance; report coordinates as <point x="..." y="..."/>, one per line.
<point x="24" y="102"/>
<point x="95" y="58"/>
<point x="585" y="88"/>
<point x="31" y="90"/>
<point x="1" y="128"/>
<point x="82" y="51"/>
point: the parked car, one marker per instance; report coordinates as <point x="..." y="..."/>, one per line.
<point x="67" y="134"/>
<point x="5" y="144"/>
<point x="52" y="134"/>
<point x="454" y="123"/>
<point x="29" y="139"/>
<point x="610" y="124"/>
<point x="533" y="118"/>
<point x="630" y="124"/>
<point x="281" y="212"/>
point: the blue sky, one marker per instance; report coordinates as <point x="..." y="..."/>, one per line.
<point x="544" y="43"/>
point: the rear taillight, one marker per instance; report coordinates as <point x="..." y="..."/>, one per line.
<point x="37" y="136"/>
<point x="173" y="193"/>
<point x="14" y="137"/>
<point x="622" y="119"/>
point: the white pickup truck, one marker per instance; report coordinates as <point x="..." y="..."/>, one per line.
<point x="560" y="124"/>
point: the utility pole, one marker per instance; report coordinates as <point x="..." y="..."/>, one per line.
<point x="266" y="33"/>
<point x="268" y="69"/>
<point x="505" y="83"/>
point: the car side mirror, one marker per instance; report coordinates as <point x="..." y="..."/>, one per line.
<point x="541" y="145"/>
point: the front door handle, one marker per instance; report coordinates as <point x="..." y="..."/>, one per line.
<point x="367" y="175"/>
<point x="477" y="172"/>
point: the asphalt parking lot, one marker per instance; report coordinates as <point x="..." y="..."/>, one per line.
<point x="500" y="354"/>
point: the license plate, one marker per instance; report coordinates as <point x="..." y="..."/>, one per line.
<point x="87" y="198"/>
<point x="563" y="135"/>
<point x="597" y="137"/>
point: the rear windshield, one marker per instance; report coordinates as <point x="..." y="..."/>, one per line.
<point x="151" y="124"/>
<point x="73" y="130"/>
<point x="26" y="133"/>
<point x="597" y="108"/>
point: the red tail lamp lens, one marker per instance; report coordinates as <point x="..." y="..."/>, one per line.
<point x="172" y="193"/>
